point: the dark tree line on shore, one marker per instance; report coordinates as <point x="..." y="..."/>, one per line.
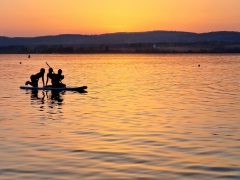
<point x="211" y="47"/>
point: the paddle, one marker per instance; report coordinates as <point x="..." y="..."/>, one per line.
<point x="48" y="65"/>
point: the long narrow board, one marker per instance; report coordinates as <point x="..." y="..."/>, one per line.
<point x="81" y="88"/>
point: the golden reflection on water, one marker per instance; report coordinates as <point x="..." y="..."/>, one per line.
<point x="144" y="116"/>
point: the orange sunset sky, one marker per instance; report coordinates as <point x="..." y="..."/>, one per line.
<point x="47" y="17"/>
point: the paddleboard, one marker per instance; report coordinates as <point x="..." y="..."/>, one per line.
<point x="46" y="88"/>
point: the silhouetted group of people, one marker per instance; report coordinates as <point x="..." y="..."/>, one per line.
<point x="56" y="78"/>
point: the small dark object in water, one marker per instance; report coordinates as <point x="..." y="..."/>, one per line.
<point x="29" y="56"/>
<point x="199" y="65"/>
<point x="20" y="62"/>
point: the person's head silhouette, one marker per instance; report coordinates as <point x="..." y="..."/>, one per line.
<point x="50" y="70"/>
<point x="42" y="70"/>
<point x="59" y="71"/>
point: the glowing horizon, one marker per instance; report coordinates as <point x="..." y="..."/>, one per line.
<point x="37" y="18"/>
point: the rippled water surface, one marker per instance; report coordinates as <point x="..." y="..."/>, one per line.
<point x="144" y="117"/>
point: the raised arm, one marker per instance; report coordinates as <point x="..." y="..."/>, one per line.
<point x="43" y="80"/>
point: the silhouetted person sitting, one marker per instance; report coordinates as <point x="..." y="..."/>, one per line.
<point x="57" y="80"/>
<point x="34" y="78"/>
<point x="50" y="75"/>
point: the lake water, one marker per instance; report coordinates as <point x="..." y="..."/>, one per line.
<point x="144" y="117"/>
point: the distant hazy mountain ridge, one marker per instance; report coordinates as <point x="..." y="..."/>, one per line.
<point x="124" y="38"/>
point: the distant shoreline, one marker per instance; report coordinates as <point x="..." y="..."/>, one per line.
<point x="138" y="42"/>
<point x="159" y="48"/>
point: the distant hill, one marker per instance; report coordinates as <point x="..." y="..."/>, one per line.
<point x="134" y="42"/>
<point x="123" y="38"/>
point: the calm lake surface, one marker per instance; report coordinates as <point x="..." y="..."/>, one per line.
<point x="144" y="117"/>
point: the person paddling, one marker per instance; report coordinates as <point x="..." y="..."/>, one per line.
<point x="35" y="78"/>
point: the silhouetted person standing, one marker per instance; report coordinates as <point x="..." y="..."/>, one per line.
<point x="35" y="78"/>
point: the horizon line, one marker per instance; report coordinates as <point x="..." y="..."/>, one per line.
<point x="96" y="34"/>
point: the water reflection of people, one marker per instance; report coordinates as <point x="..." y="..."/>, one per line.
<point x="56" y="96"/>
<point x="49" y="102"/>
<point x="52" y="98"/>
<point x="35" y="96"/>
